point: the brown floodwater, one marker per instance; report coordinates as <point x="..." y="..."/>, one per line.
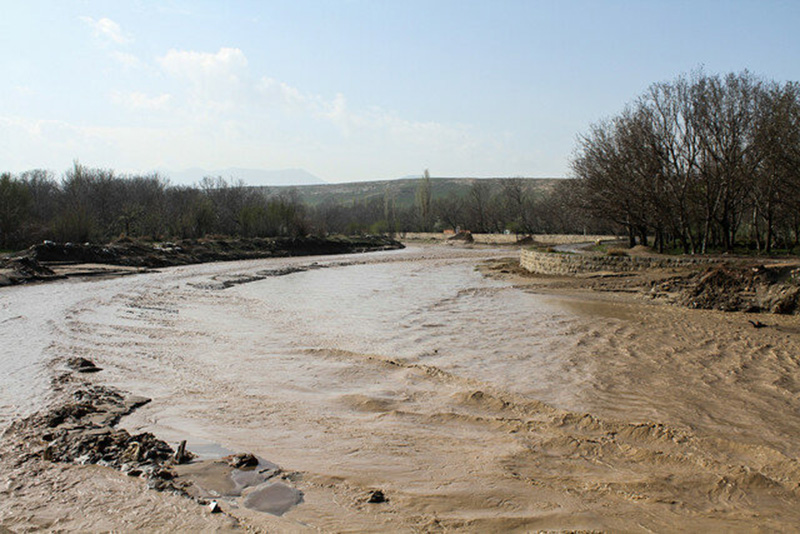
<point x="472" y="404"/>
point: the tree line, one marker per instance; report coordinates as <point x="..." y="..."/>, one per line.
<point x="487" y="206"/>
<point x="99" y="205"/>
<point x="699" y="163"/>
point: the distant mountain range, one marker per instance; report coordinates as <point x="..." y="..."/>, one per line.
<point x="251" y="177"/>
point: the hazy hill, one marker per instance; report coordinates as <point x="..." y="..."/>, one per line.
<point x="402" y="190"/>
<point x="252" y="177"/>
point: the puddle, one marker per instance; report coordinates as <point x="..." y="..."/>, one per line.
<point x="208" y="450"/>
<point x="276" y="498"/>
<point x="214" y="479"/>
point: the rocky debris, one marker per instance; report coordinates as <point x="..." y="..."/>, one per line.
<point x="80" y="428"/>
<point x="82" y="431"/>
<point x="21" y="269"/>
<point x="719" y="288"/>
<point x="376" y="497"/>
<point x="750" y="288"/>
<point x="241" y="460"/>
<point x="82" y="365"/>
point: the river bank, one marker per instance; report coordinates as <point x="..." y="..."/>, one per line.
<point x="755" y="286"/>
<point x="52" y="261"/>
<point x="472" y="404"/>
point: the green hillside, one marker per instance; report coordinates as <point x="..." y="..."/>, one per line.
<point x="402" y="190"/>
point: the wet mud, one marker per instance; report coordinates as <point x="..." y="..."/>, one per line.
<point x="464" y="403"/>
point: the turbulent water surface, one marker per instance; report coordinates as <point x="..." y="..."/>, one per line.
<point x="471" y="403"/>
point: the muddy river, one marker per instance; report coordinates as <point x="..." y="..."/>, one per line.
<point x="473" y="404"/>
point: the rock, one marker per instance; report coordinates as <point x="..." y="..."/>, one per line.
<point x="82" y="365"/>
<point x="183" y="456"/>
<point x="134" y="401"/>
<point x="133" y="453"/>
<point x="72" y="411"/>
<point x="376" y="497"/>
<point x="214" y="508"/>
<point x="244" y="459"/>
<point x="157" y="484"/>
<point x="164" y="474"/>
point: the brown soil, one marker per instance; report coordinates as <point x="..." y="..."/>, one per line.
<point x="462" y="236"/>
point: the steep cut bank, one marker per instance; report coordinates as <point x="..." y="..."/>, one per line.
<point x="49" y="260"/>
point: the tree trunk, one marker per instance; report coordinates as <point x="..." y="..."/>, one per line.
<point x="643" y="235"/>
<point x="768" y="247"/>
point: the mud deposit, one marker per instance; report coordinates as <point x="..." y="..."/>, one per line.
<point x="464" y="403"/>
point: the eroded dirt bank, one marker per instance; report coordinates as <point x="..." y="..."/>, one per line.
<point x="49" y="260"/>
<point x="472" y="404"/>
<point x="769" y="286"/>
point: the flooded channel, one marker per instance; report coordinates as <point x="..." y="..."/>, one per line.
<point x="471" y="404"/>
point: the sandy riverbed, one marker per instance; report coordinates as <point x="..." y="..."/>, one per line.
<point x="474" y="403"/>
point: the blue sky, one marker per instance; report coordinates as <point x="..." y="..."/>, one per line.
<point x="354" y="90"/>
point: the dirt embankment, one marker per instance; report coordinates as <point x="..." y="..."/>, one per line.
<point x="49" y="260"/>
<point x="750" y="288"/>
<point x="740" y="285"/>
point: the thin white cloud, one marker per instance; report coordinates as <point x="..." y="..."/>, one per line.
<point x="216" y="81"/>
<point x="140" y="101"/>
<point x="336" y="111"/>
<point x="108" y="29"/>
<point x="227" y="63"/>
<point x="126" y="59"/>
<point x="274" y="90"/>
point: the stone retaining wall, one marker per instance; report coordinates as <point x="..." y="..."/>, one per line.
<point x="561" y="264"/>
